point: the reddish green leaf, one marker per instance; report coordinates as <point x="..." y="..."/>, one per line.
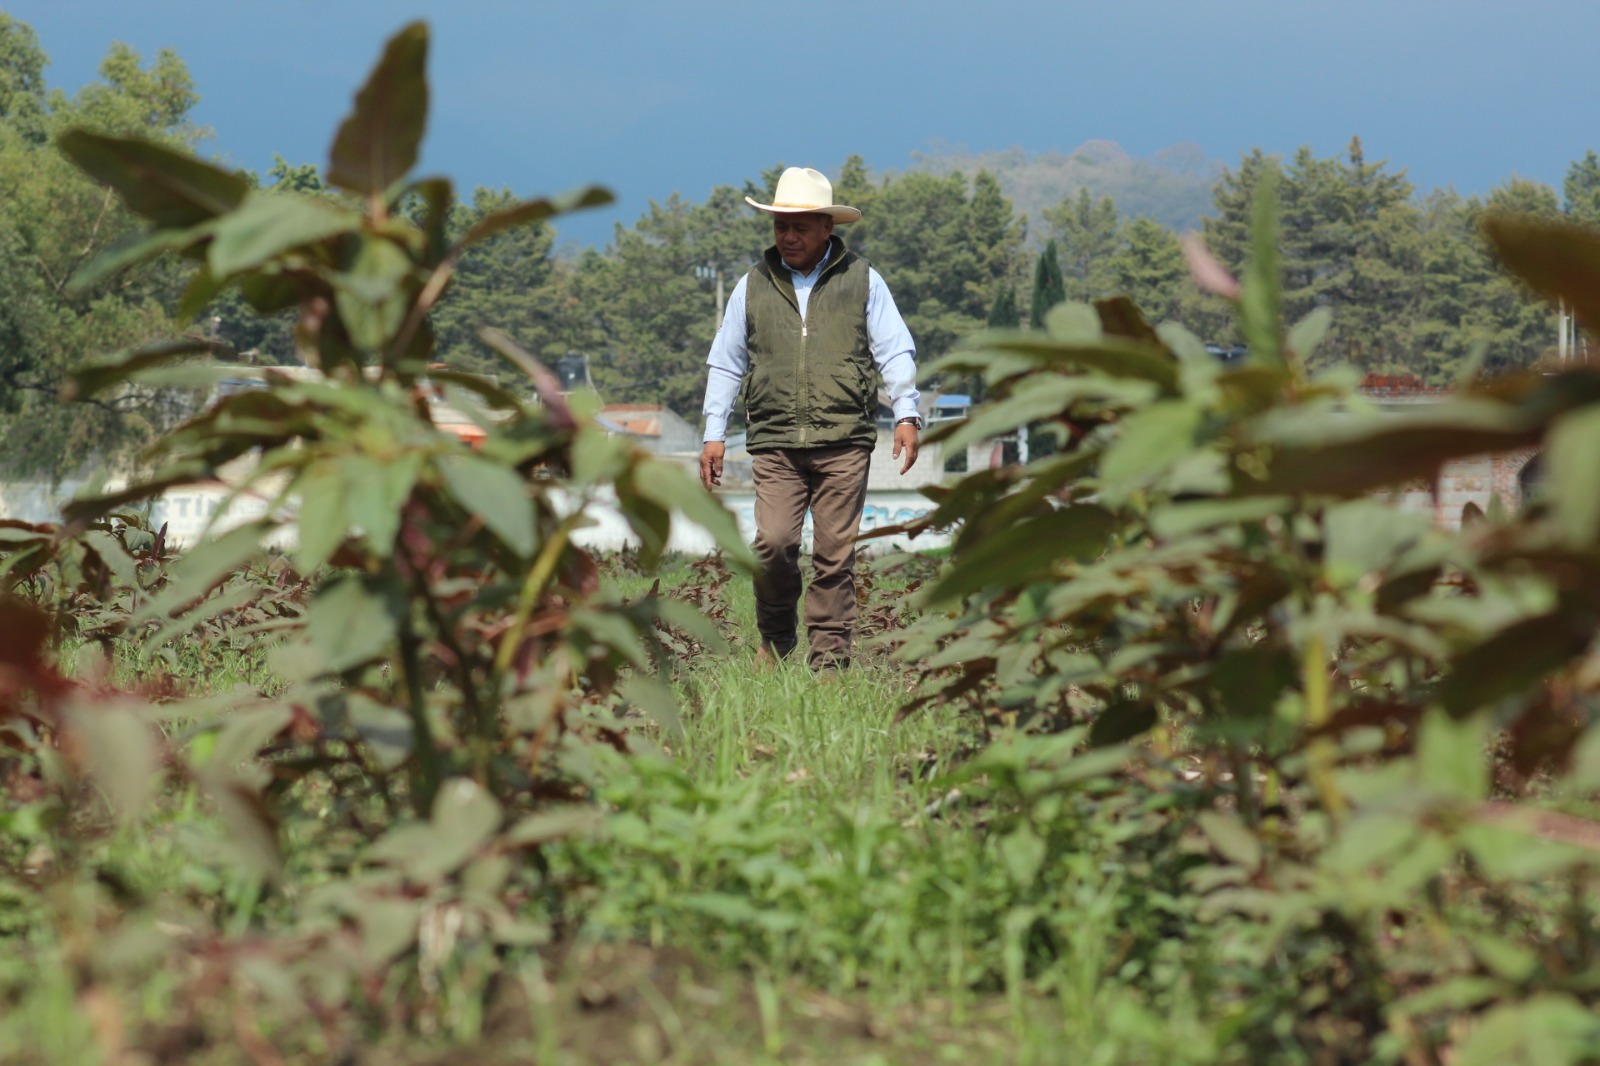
<point x="352" y="621"/>
<point x="167" y="186"/>
<point x="1027" y="551"/>
<point x="134" y="251"/>
<point x="374" y="294"/>
<point x="1152" y="441"/>
<point x="1232" y="838"/>
<point x="378" y="143"/>
<point x="1114" y="355"/>
<point x="319" y="521"/>
<point x="388" y="927"/>
<point x="1122" y="721"/>
<point x="1452" y="755"/>
<point x="497" y="494"/>
<point x="1261" y="298"/>
<point x="1121" y="317"/>
<point x="669" y="486"/>
<point x="1334" y="453"/>
<point x="526" y="211"/>
<point x="252" y="827"/>
<point x="436" y="196"/>
<point x="94" y="377"/>
<point x="1515" y="658"/>
<point x="268" y="224"/>
<point x="554" y="824"/>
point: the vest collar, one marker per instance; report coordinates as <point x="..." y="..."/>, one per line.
<point x="782" y="274"/>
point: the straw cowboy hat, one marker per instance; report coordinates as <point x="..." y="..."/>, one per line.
<point x="803" y="191"/>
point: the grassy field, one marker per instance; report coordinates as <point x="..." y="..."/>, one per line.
<point x="785" y="876"/>
<point x="820" y="892"/>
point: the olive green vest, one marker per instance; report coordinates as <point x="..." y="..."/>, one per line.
<point x="812" y="384"/>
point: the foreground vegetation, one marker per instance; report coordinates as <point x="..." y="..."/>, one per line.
<point x="1189" y="750"/>
<point x="778" y="882"/>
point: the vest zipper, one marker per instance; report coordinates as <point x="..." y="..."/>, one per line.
<point x="805" y="381"/>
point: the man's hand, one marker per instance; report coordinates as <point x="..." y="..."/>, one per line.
<point x="905" y="440"/>
<point x="711" y="454"/>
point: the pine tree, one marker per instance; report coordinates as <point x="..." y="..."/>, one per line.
<point x="1003" y="313"/>
<point x="1149" y="268"/>
<point x="996" y="238"/>
<point x="1227" y="232"/>
<point x="1048" y="287"/>
<point x="649" y="317"/>
<point x="922" y="244"/>
<point x="1087" y="233"/>
<point x="1454" y="268"/>
<point x="855" y="188"/>
<point x="500" y="282"/>
<point x="1581" y="190"/>
<point x="1520" y="327"/>
<point x="1374" y="276"/>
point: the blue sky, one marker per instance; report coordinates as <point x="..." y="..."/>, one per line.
<point x="656" y="96"/>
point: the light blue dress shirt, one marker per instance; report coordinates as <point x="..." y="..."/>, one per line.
<point x="893" y="350"/>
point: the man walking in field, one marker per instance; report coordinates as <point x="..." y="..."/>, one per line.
<point x="806" y="334"/>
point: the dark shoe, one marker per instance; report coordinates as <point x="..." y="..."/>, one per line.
<point x="777" y="649"/>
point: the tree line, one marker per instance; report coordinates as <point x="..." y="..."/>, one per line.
<point x="1408" y="277"/>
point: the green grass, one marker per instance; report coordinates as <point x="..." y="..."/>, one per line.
<point x="796" y="829"/>
<point x="792" y="878"/>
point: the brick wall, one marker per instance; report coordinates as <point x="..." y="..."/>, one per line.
<point x="1478" y="479"/>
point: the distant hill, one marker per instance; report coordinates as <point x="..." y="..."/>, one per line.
<point x="1173" y="186"/>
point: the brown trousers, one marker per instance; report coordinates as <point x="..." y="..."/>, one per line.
<point x="832" y="484"/>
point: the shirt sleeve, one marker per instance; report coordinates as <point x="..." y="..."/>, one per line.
<point x="893" y="350"/>
<point x="726" y="366"/>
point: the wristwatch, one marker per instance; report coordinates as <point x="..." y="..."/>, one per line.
<point x="910" y="420"/>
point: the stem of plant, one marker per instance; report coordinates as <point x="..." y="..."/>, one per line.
<point x="427" y="783"/>
<point x="1243" y="783"/>
<point x="480" y="712"/>
<point x="1320" y="753"/>
<point x="544" y="567"/>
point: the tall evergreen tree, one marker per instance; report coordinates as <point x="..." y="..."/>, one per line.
<point x="1087" y="233"/>
<point x="1003" y="314"/>
<point x="995" y="234"/>
<point x="1048" y="287"/>
<point x="644" y="315"/>
<point x="1348" y="242"/>
<point x="1313" y="228"/>
<point x="1373" y="279"/>
<point x="1454" y="268"/>
<point x="1519" y="327"/>
<point x="1468" y="299"/>
<point x="1149" y="268"/>
<point x="1581" y="190"/>
<point x="506" y="281"/>
<point x="855" y="188"/>
<point x="921" y="242"/>
<point x="1227" y="230"/>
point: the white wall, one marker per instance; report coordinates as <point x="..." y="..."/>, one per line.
<point x="189" y="512"/>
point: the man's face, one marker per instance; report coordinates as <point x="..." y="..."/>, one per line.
<point x="802" y="239"/>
